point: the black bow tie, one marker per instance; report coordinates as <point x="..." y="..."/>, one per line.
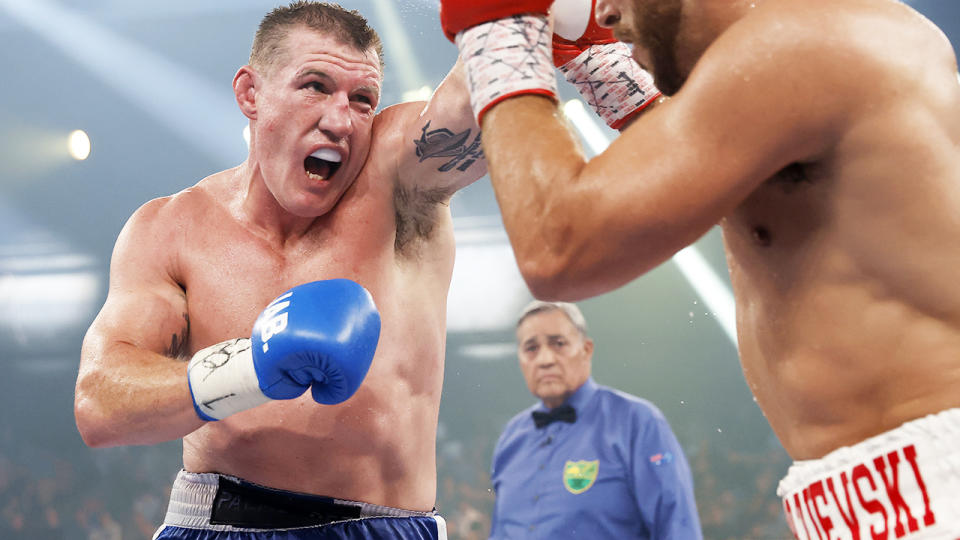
<point x="565" y="413"/>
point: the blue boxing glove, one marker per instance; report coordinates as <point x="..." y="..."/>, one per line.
<point x="321" y="335"/>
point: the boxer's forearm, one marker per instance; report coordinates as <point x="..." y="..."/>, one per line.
<point x="580" y="228"/>
<point x="131" y="396"/>
<point x="535" y="162"/>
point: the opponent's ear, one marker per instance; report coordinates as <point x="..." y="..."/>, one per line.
<point x="245" y="90"/>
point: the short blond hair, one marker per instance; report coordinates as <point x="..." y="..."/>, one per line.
<point x="347" y="26"/>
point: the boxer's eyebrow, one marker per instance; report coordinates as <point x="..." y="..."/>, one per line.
<point x="326" y="77"/>
<point x="311" y="72"/>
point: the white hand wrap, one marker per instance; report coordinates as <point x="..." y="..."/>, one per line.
<point x="611" y="82"/>
<point x="223" y="380"/>
<point x="508" y="57"/>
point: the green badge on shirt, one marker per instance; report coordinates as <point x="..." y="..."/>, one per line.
<point x="578" y="476"/>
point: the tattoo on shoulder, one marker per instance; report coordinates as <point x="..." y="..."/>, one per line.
<point x="445" y="144"/>
<point x="178" y="342"/>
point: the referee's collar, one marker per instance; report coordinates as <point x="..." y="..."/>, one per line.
<point x="579" y="399"/>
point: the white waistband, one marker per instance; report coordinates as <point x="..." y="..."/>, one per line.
<point x="941" y="430"/>
<point x="905" y="481"/>
<point x="191" y="501"/>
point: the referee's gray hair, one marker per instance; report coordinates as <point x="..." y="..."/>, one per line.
<point x="570" y="310"/>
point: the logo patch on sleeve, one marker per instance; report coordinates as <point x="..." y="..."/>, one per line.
<point x="661" y="459"/>
<point x="579" y="476"/>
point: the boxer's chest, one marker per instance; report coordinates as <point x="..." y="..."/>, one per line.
<point x="231" y="276"/>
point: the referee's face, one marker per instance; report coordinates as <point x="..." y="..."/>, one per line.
<point x="554" y="356"/>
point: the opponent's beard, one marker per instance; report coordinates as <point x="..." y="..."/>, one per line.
<point x="657" y="25"/>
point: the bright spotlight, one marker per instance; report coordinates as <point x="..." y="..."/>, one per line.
<point x="78" y="144"/>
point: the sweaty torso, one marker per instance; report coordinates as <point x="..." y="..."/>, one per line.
<point x="378" y="446"/>
<point x="844" y="268"/>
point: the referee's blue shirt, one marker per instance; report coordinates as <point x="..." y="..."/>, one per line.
<point x="617" y="472"/>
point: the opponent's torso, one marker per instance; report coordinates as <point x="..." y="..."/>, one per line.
<point x="844" y="270"/>
<point x="378" y="446"/>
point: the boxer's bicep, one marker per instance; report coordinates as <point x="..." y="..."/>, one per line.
<point x="130" y="387"/>
<point x="440" y="147"/>
<point x="666" y="181"/>
<point x="145" y="307"/>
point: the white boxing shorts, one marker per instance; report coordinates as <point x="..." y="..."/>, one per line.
<point x="903" y="484"/>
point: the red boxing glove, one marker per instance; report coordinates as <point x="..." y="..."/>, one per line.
<point x="575" y="29"/>
<point x="458" y="15"/>
<point x="600" y="67"/>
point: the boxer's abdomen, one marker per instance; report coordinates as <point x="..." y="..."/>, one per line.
<point x="847" y="322"/>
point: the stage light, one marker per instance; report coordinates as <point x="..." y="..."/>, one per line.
<point x="78" y="144"/>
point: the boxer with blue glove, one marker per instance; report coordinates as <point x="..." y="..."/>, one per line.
<point x="320" y="335"/>
<point x="193" y="339"/>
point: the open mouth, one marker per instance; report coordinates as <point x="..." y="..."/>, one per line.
<point x="322" y="164"/>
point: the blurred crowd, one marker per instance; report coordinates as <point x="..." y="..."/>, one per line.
<point x="736" y="492"/>
<point x="74" y="493"/>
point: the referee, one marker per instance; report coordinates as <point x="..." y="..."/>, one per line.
<point x="587" y="461"/>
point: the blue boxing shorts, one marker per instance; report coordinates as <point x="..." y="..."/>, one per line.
<point x="209" y="506"/>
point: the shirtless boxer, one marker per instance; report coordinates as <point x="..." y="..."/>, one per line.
<point x="824" y="137"/>
<point x="330" y="189"/>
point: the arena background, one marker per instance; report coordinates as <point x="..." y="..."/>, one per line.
<point x="149" y="82"/>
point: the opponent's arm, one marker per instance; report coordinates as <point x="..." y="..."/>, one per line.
<point x="131" y="388"/>
<point x="582" y="228"/>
